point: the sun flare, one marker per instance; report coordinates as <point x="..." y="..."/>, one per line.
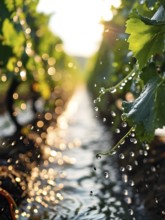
<point x="77" y="22"/>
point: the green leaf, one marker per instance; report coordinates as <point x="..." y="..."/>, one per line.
<point x="159" y="16"/>
<point x="12" y="37"/>
<point x="12" y="5"/>
<point x="148" y="73"/>
<point x="146" y="112"/>
<point x="11" y="64"/>
<point x="146" y="37"/>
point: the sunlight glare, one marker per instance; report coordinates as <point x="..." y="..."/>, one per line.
<point x="77" y="22"/>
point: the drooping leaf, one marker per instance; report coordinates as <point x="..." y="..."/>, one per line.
<point x="148" y="73"/>
<point x="146" y="37"/>
<point x="159" y="16"/>
<point x="146" y="112"/>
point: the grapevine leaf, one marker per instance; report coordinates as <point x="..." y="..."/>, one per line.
<point x="148" y="73"/>
<point x="12" y="5"/>
<point x="146" y="37"/>
<point x="12" y="37"/>
<point x="160" y="121"/>
<point x="157" y="19"/>
<point x="146" y="111"/>
<point x="159" y="16"/>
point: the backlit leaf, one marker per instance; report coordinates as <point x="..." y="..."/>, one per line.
<point x="147" y="110"/>
<point x="145" y="39"/>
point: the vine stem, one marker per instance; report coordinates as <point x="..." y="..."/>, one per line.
<point x="117" y="144"/>
<point x="10" y="200"/>
<point x="131" y="74"/>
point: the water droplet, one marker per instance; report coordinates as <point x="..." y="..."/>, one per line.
<point x="118" y="146"/>
<point x="98" y="99"/>
<point x="122" y="142"/>
<point x="96" y="109"/>
<point x="136" y="162"/>
<point x="133" y="74"/>
<point x="128" y="200"/>
<point x="117" y="130"/>
<point x="156" y="200"/>
<point x="153" y="169"/>
<point x="114" y="152"/>
<point x="102" y="90"/>
<point x="122" y="169"/>
<point x="151" y="8"/>
<point x="13" y="143"/>
<point x="133" y="140"/>
<point x="121" y="156"/>
<point x="130" y="211"/>
<point x="124" y="124"/>
<point x="106" y="174"/>
<point x="104" y="119"/>
<point x="132" y="134"/>
<point x="127" y="69"/>
<point x="145" y="153"/>
<point x="111" y="90"/>
<point x="113" y="114"/>
<point x="163" y="212"/>
<point x="95" y="85"/>
<point x="131" y="183"/>
<point x="129" y="167"/>
<point x="125" y="178"/>
<point x="123" y="84"/>
<point x="125" y="192"/>
<point x="146" y="146"/>
<point x="98" y="156"/>
<point x="132" y="154"/>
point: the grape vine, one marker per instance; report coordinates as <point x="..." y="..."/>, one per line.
<point x="134" y="62"/>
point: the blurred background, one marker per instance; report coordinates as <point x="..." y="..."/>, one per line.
<point x="60" y="114"/>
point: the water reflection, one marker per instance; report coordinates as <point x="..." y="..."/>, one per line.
<point x="71" y="183"/>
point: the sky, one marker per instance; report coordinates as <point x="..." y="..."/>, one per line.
<point x="77" y="23"/>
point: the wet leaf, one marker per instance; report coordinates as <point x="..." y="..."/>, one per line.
<point x="146" y="111"/>
<point x="147" y="38"/>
